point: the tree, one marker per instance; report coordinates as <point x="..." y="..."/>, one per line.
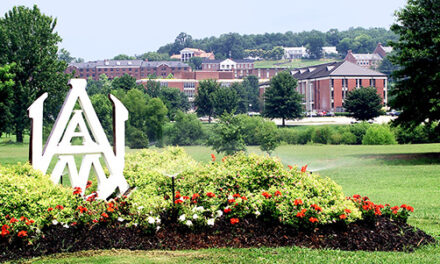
<point x="227" y="135"/>
<point x="126" y="82"/>
<point x="225" y="99"/>
<point x="64" y="55"/>
<point x="123" y="57"/>
<point x="281" y="98"/>
<point x="6" y="99"/>
<point x="417" y="86"/>
<point x="250" y="84"/>
<point x="242" y="98"/>
<point x="104" y="111"/>
<point x="174" y="100"/>
<point x="314" y="45"/>
<point x="155" y="117"/>
<point x="204" y="100"/>
<point x="195" y="63"/>
<point x="101" y="86"/>
<point x="153" y="56"/>
<point x="363" y="103"/>
<point x="268" y="136"/>
<point x="186" y="130"/>
<point x="27" y="38"/>
<point x="153" y="88"/>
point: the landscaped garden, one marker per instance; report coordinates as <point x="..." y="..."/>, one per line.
<point x="397" y="174"/>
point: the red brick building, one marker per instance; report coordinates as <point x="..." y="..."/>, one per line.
<point x="325" y="86"/>
<point x="136" y="68"/>
<point x="368" y="60"/>
<point x="240" y="68"/>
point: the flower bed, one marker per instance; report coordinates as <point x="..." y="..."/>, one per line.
<point x="242" y="200"/>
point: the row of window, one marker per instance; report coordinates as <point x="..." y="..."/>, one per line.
<point x="359" y="82"/>
<point x="131" y="69"/>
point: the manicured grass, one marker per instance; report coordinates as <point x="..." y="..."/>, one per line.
<point x="290" y="64"/>
<point x="393" y="174"/>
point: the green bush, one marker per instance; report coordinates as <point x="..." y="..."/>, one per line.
<point x="249" y="127"/>
<point x="359" y="131"/>
<point x="186" y="130"/>
<point x="305" y="135"/>
<point x="268" y="135"/>
<point x="348" y="138"/>
<point x="342" y="114"/>
<point x="322" y="135"/>
<point x="136" y="138"/>
<point x="336" y="139"/>
<point x="289" y="135"/>
<point x="378" y="135"/>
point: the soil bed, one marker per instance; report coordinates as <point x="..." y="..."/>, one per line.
<point x="382" y="235"/>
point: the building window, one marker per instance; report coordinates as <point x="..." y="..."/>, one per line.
<point x="332" y="82"/>
<point x="344" y="82"/>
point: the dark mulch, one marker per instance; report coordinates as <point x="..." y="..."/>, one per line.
<point x="383" y="235"/>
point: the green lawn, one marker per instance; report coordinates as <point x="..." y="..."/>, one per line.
<point x="298" y="63"/>
<point x="395" y="174"/>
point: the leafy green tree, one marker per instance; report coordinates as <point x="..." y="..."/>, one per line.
<point x="227" y="135"/>
<point x="195" y="63"/>
<point x="154" y="56"/>
<point x="417" y="86"/>
<point x="363" y="103"/>
<point x="174" y="100"/>
<point x="137" y="138"/>
<point x="64" y="55"/>
<point x="387" y="67"/>
<point x="126" y="82"/>
<point x="268" y="136"/>
<point x="182" y="41"/>
<point x="187" y="130"/>
<point x="28" y="38"/>
<point x="250" y="84"/>
<point x="242" y="98"/>
<point x="153" y="88"/>
<point x="6" y="99"/>
<point x="155" y="117"/>
<point x="315" y="44"/>
<point x="204" y="100"/>
<point x="281" y="98"/>
<point x="101" y="86"/>
<point x="123" y="57"/>
<point x="104" y="110"/>
<point x="225" y="100"/>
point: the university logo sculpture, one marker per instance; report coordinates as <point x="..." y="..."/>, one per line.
<point x="66" y="128"/>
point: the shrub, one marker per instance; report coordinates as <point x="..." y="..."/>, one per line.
<point x="268" y="136"/>
<point x="336" y="139"/>
<point x="378" y="135"/>
<point x="322" y="135"/>
<point x="288" y="135"/>
<point x="137" y="139"/>
<point x="187" y="130"/>
<point x="359" y="131"/>
<point x="305" y="135"/>
<point x="227" y="135"/>
<point x="250" y="125"/>
<point x="348" y="138"/>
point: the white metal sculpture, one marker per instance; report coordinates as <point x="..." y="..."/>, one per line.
<point x="70" y="123"/>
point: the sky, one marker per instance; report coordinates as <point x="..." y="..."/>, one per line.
<point x="96" y="29"/>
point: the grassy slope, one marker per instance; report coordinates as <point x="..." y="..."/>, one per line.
<point x="291" y="64"/>
<point x="395" y="174"/>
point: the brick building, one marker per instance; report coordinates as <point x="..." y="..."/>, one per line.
<point x="136" y="68"/>
<point x="368" y="60"/>
<point x="240" y="68"/>
<point x="325" y="86"/>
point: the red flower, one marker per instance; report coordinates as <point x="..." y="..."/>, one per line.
<point x="302" y="213"/>
<point x="313" y="220"/>
<point x="224" y="159"/>
<point x="298" y="202"/>
<point x="49" y="209"/>
<point x="74" y="224"/>
<point x="347" y="211"/>
<point x="266" y="194"/>
<point x="394" y="212"/>
<point x="342" y="216"/>
<point x="195" y="196"/>
<point x="234" y="221"/>
<point x="179" y="201"/>
<point x="410" y="208"/>
<point x="110" y="209"/>
<point x="23" y="218"/>
<point x="231" y="201"/>
<point x="227" y="210"/>
<point x="290" y="167"/>
<point x="185" y="197"/>
<point x="4" y="232"/>
<point x="95" y="221"/>
<point x="105" y="215"/>
<point x="13" y="220"/>
<point x="316" y="207"/>
<point x="22" y="233"/>
<point x="304" y="168"/>
<point x="30" y="222"/>
<point x="236" y="195"/>
<point x="395" y="208"/>
<point x="356" y="196"/>
<point x="278" y="193"/>
<point x="210" y="194"/>
<point x="4" y="227"/>
<point x="244" y="198"/>
<point x="77" y="190"/>
<point x="81" y="209"/>
<point x="89" y="184"/>
<point x="365" y="198"/>
<point x="213" y="157"/>
<point x="59" y="207"/>
<point x="177" y="195"/>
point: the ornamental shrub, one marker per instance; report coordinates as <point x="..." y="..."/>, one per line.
<point x="288" y="135"/>
<point x="359" y="131"/>
<point x="187" y="130"/>
<point x="379" y="135"/>
<point x="305" y="135"/>
<point x="322" y="135"/>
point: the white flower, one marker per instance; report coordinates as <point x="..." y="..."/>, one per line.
<point x="151" y="220"/>
<point x="54" y="222"/>
<point x="230" y="197"/>
<point x="257" y="213"/>
<point x="219" y="213"/>
<point x="211" y="221"/>
<point x="66" y="226"/>
<point x="182" y="218"/>
<point x="158" y="220"/>
<point x="199" y="208"/>
<point x="157" y="228"/>
<point x="140" y="207"/>
<point x="189" y="223"/>
<point x="195" y="216"/>
<point x="135" y="224"/>
<point x="120" y="219"/>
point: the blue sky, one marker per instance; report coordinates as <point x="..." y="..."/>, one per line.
<point x="96" y="29"/>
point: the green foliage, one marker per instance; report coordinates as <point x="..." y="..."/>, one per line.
<point x="126" y="82"/>
<point x="242" y="98"/>
<point x="288" y="136"/>
<point x="174" y="100"/>
<point x="123" y="57"/>
<point x="348" y="138"/>
<point x="187" y="130"/>
<point x="322" y="135"/>
<point x="227" y="135"/>
<point x="417" y="88"/>
<point x="136" y="138"/>
<point x="225" y="100"/>
<point x="155" y="117"/>
<point x="281" y="98"/>
<point x="305" y="136"/>
<point x="153" y="56"/>
<point x="249" y="128"/>
<point x="423" y="133"/>
<point x="6" y="100"/>
<point x="204" y="101"/>
<point x="359" y="130"/>
<point x="363" y="103"/>
<point x="315" y="42"/>
<point x="251" y="85"/>
<point x="101" y="86"/>
<point x="268" y="136"/>
<point x="28" y="38"/>
<point x="378" y="135"/>
<point x="104" y="110"/>
<point x="153" y="88"/>
<point x="195" y="63"/>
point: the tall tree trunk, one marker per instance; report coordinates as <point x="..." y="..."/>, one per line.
<point x="284" y="124"/>
<point x="209" y="119"/>
<point x="19" y="135"/>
